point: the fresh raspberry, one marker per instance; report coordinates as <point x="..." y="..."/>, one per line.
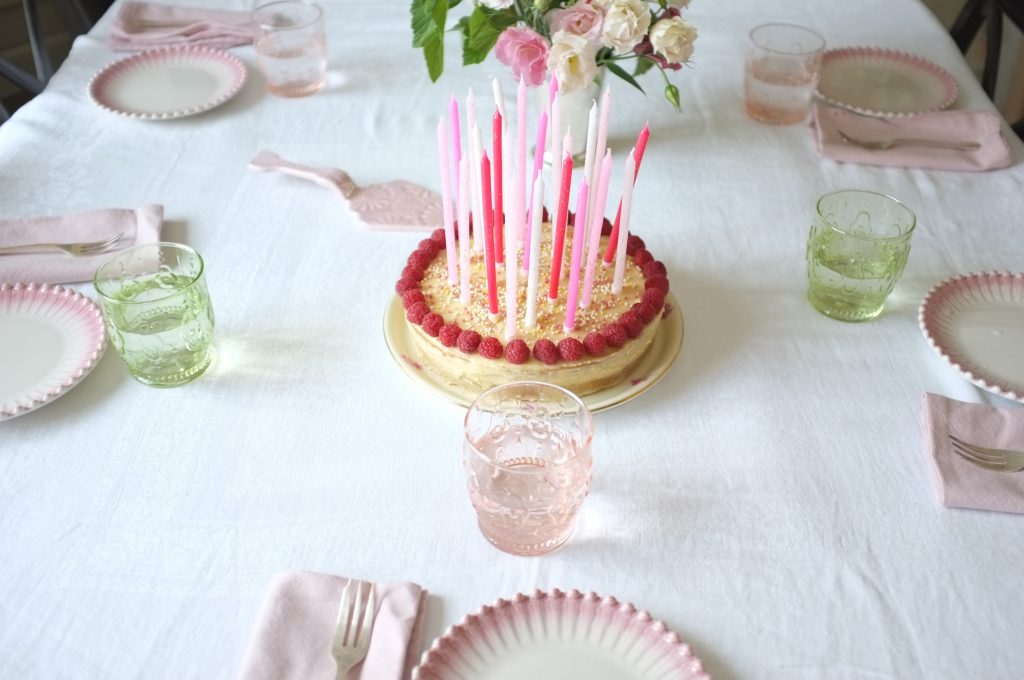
<point x="437" y="236"/>
<point x="429" y="246"/>
<point x="411" y="297"/>
<point x="546" y="351"/>
<point x="615" y="334"/>
<point x="490" y="348"/>
<point x="645" y="311"/>
<point x="517" y="351"/>
<point x="469" y="341"/>
<point x="595" y="344"/>
<point x="657" y="282"/>
<point x="432" y="324"/>
<point x="413" y="272"/>
<point x="631" y="321"/>
<point x="570" y="349"/>
<point x="633" y="244"/>
<point x="449" y="334"/>
<point x="654" y="297"/>
<point x="642" y="257"/>
<point x="655" y="268"/>
<point x="606" y="227"/>
<point x="420" y="259"/>
<point x="406" y="284"/>
<point x="416" y="312"/>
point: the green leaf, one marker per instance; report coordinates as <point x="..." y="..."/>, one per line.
<point x="672" y="95"/>
<point x="453" y="3"/>
<point x="620" y="72"/>
<point x="482" y="31"/>
<point x="643" y="65"/>
<point x="428" y="19"/>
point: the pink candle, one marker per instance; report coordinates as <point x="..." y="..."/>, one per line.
<point x="485" y="195"/>
<point x="625" y="207"/>
<point x="464" y="201"/>
<point x="453" y="113"/>
<point x="534" y="268"/>
<point x="497" y="128"/>
<point x="555" y="146"/>
<point x="521" y="149"/>
<point x="579" y="235"/>
<point x="476" y="146"/>
<point x="596" y="219"/>
<point x="446" y="201"/>
<point x="538" y="161"/>
<point x="641" y="144"/>
<point x="558" y="243"/>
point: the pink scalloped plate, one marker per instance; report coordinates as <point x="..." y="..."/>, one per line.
<point x="171" y="82"/>
<point x="976" y="323"/>
<point x="52" y="338"/>
<point x="875" y="81"/>
<point x="559" y="636"/>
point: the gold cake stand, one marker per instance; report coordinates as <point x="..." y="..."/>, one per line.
<point x="652" y="367"/>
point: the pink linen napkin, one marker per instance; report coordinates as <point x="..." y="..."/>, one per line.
<point x="292" y="639"/>
<point x="961" y="484"/>
<point x="983" y="127"/>
<point x="141" y="225"/>
<point x="145" y="25"/>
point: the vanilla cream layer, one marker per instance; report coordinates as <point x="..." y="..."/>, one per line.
<point x="584" y="376"/>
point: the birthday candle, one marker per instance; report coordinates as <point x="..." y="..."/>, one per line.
<point x="602" y="138"/>
<point x="625" y="207"/>
<point x="511" y="268"/>
<point x="558" y="227"/>
<point x="596" y="220"/>
<point x="555" y="146"/>
<point x="446" y="201"/>
<point x="476" y="149"/>
<point x="531" y="280"/>
<point x="589" y="171"/>
<point x="453" y="111"/>
<point x="464" y="200"/>
<point x="579" y="235"/>
<point x="538" y="161"/>
<point x="498" y="185"/>
<point x="499" y="96"/>
<point x="641" y="144"/>
<point x="485" y="195"/>
<point x="521" y="150"/>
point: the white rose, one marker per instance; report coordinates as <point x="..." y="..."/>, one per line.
<point x="625" y="24"/>
<point x="496" y="4"/>
<point x="673" y="39"/>
<point x="572" y="58"/>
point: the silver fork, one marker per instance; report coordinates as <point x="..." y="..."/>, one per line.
<point x="355" y="621"/>
<point x="1000" y="460"/>
<point x="75" y="249"/>
<point x="884" y="144"/>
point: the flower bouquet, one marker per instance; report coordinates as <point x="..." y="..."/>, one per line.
<point x="572" y="39"/>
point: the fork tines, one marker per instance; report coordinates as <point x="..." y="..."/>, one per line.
<point x="986" y="459"/>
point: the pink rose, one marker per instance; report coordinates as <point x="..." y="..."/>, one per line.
<point x="581" y="19"/>
<point x="524" y="51"/>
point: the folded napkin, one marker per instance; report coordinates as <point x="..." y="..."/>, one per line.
<point x="145" y="25"/>
<point x="983" y="127"/>
<point x="292" y="639"/>
<point x="141" y="225"/>
<point x="961" y="484"/>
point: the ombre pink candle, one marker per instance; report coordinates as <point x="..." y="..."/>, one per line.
<point x="558" y="243"/>
<point x="485" y="195"/>
<point x="579" y="236"/>
<point x="638" y="150"/>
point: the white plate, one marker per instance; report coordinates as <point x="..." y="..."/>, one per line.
<point x="875" y="81"/>
<point x="559" y="636"/>
<point x="51" y="338"/>
<point x="976" y="323"/>
<point x="653" y="365"/>
<point x="168" y="83"/>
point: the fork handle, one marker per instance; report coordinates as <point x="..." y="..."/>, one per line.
<point x="30" y="248"/>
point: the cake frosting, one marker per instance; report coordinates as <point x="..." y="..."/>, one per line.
<point x="465" y="345"/>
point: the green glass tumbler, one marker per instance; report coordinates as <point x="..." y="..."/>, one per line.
<point x="157" y="309"/>
<point x="856" y="252"/>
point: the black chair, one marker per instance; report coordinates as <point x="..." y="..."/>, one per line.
<point x="988" y="13"/>
<point x="76" y="20"/>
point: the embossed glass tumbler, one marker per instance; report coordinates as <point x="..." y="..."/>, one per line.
<point x="291" y="46"/>
<point x="782" y="69"/>
<point x="856" y="251"/>
<point x="527" y="460"/>
<point x="158" y="314"/>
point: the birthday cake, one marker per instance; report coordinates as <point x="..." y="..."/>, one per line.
<point x="467" y="345"/>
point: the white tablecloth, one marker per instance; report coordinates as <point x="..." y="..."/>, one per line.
<point x="769" y="499"/>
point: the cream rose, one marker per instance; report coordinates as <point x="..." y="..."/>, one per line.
<point x="673" y="39"/>
<point x="625" y="24"/>
<point x="572" y="60"/>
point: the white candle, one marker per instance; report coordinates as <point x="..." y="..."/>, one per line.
<point x="446" y="201"/>
<point x="499" y="97"/>
<point x="521" y="150"/>
<point x="464" y="200"/>
<point x="602" y="135"/>
<point x="627" y="204"/>
<point x="589" y="171"/>
<point x="531" y="281"/>
<point x="477" y="149"/>
<point x="596" y="220"/>
<point x="555" y="152"/>
<point x="511" y="266"/>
